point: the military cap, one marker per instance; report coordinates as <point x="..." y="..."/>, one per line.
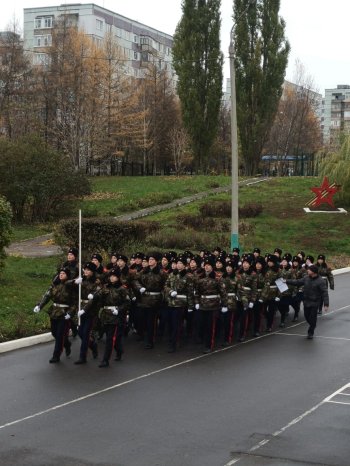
<point x="209" y="261"/>
<point x="97" y="256"/>
<point x="167" y="256"/>
<point x="278" y="250"/>
<point x="115" y="271"/>
<point x="65" y="270"/>
<point x="181" y="258"/>
<point x="260" y="260"/>
<point x="272" y="258"/>
<point x="90" y="266"/>
<point x="73" y="251"/>
<point x="296" y="259"/>
<point x="122" y="257"/>
<point x="257" y="250"/>
<point x="310" y="258"/>
<point x="321" y="256"/>
<point x="235" y="250"/>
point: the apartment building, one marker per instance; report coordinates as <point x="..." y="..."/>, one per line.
<point x="336" y="111"/>
<point x="140" y="44"/>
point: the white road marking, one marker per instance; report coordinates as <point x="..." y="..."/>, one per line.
<point x="295" y="421"/>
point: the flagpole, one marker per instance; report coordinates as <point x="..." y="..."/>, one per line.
<point x="79" y="294"/>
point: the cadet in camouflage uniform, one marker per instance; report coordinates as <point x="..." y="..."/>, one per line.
<point x="149" y="285"/>
<point x="179" y="296"/>
<point x="326" y="273"/>
<point x="194" y="319"/>
<point x="229" y="318"/>
<point x="114" y="302"/>
<point x="270" y="293"/>
<point x="62" y="310"/>
<point x="258" y="309"/>
<point x="210" y="298"/>
<point x="87" y="317"/>
<point x="247" y="292"/>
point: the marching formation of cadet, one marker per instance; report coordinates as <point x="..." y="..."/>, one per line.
<point x="211" y="298"/>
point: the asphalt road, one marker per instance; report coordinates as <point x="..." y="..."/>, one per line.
<point x="278" y="400"/>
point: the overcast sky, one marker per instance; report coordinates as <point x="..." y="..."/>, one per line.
<point x="316" y="30"/>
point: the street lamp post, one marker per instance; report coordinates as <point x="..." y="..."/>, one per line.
<point x="234" y="137"/>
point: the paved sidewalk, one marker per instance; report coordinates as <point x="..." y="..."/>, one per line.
<point x="43" y="246"/>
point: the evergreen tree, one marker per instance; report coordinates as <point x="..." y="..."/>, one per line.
<point x="198" y="64"/>
<point x="261" y="57"/>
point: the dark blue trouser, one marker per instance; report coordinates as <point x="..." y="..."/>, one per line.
<point x="85" y="333"/>
<point x="310" y="314"/>
<point x="209" y="327"/>
<point x="60" y="330"/>
<point x="114" y="339"/>
<point x="174" y="319"/>
<point x="270" y="311"/>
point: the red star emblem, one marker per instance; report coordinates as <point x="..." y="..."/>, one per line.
<point x="324" y="194"/>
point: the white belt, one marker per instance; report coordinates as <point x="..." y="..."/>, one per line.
<point x="84" y="301"/>
<point x="153" y="293"/>
<point x="259" y="289"/>
<point x="210" y="296"/>
<point x="273" y="286"/>
<point x="246" y="288"/>
<point x="231" y="294"/>
<point x="109" y="308"/>
<point x="183" y="296"/>
<point x="60" y="305"/>
<point x="324" y="278"/>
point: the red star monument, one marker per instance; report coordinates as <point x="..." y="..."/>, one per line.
<point x="324" y="194"/>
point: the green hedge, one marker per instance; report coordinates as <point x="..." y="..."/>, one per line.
<point x="103" y="234"/>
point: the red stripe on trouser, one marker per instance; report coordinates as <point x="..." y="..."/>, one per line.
<point x="230" y="334"/>
<point x="114" y="339"/>
<point x="213" y="331"/>
<point x="65" y="333"/>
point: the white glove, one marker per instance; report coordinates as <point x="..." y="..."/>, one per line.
<point x="36" y="309"/>
<point x="134" y="298"/>
<point x="224" y="309"/>
<point x="81" y="312"/>
<point x="189" y="310"/>
<point x="251" y="305"/>
<point x="173" y="294"/>
<point x="78" y="281"/>
<point x="115" y="311"/>
<point x="67" y="317"/>
<point x="261" y="300"/>
<point x="90" y="296"/>
<point x="197" y="306"/>
<point x="277" y="299"/>
<point x="142" y="290"/>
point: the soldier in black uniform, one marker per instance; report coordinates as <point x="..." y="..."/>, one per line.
<point x="325" y="272"/>
<point x="87" y="317"/>
<point x="63" y="295"/>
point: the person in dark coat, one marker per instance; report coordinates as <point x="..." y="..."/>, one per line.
<point x="315" y="291"/>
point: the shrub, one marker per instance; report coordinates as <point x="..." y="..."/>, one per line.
<point x="5" y="228"/>
<point x="180" y="240"/>
<point x="102" y="234"/>
<point x="223" y="209"/>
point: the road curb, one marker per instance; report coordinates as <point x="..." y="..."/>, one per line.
<point x="47" y="337"/>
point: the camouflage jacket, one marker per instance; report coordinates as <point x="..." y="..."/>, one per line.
<point x="327" y="275"/>
<point x="210" y="293"/>
<point x="297" y="273"/>
<point x="247" y="287"/>
<point x="182" y="283"/>
<point x="230" y="282"/>
<point x="108" y="297"/>
<point x="286" y="273"/>
<point x="260" y="283"/>
<point x="153" y="280"/>
<point x="89" y="288"/>
<point x="64" y="297"/>
<point x="270" y="290"/>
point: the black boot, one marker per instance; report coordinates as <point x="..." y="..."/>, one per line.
<point x="54" y="359"/>
<point x="68" y="349"/>
<point x="104" y="364"/>
<point x="80" y="361"/>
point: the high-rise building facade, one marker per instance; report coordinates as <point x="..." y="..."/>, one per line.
<point x="139" y="44"/>
<point x="336" y="111"/>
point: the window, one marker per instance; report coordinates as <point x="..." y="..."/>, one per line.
<point x="118" y="32"/>
<point x="42" y="22"/>
<point x="99" y="25"/>
<point x="135" y="39"/>
<point x="43" y="41"/>
<point x="135" y="56"/>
